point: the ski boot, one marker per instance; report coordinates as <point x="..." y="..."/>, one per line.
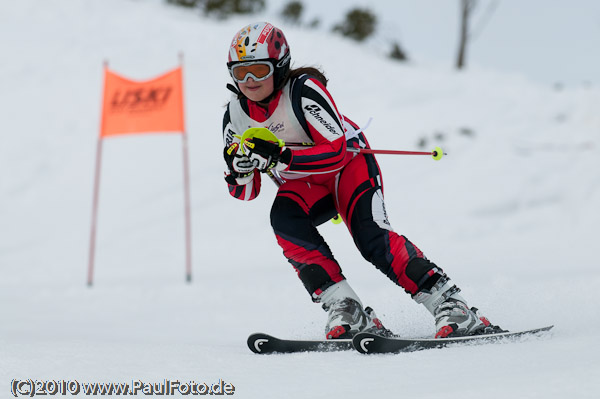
<point x="346" y="315"/>
<point x="453" y="317"/>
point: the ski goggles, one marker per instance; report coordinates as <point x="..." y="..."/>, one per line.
<point x="257" y="70"/>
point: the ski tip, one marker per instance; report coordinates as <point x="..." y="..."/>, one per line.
<point x="363" y="341"/>
<point x="548" y="328"/>
<point x="257" y="340"/>
<point x="532" y="331"/>
<point x="266" y="344"/>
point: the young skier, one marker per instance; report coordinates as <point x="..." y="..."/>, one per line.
<point x="320" y="181"/>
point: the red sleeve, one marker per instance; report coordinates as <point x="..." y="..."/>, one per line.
<point x="246" y="192"/>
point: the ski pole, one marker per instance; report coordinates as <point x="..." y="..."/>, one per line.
<point x="265" y="134"/>
<point x="437" y="153"/>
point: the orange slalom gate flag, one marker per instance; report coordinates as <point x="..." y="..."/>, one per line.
<point x="154" y="105"/>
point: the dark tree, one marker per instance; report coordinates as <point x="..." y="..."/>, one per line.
<point x="397" y="53"/>
<point x="467" y="34"/>
<point x="466" y="8"/>
<point x="292" y="12"/>
<point x="222" y="8"/>
<point x="358" y="25"/>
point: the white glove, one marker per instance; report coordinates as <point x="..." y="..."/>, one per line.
<point x="238" y="179"/>
<point x="237" y="161"/>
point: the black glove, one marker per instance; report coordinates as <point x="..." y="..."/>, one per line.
<point x="266" y="155"/>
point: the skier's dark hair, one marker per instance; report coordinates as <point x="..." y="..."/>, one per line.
<point x="312" y="71"/>
<point x="296" y="73"/>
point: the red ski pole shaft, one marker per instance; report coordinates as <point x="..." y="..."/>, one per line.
<point x="436" y="153"/>
<point x="396" y="152"/>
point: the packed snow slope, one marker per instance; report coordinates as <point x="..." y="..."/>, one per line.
<point x="511" y="214"/>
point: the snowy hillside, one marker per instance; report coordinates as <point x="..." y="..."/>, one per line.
<point x="511" y="214"/>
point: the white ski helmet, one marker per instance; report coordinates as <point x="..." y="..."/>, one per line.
<point x="261" y="41"/>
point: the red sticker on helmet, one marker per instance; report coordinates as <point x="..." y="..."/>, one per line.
<point x="265" y="33"/>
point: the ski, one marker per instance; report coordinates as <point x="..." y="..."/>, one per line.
<point x="372" y="343"/>
<point x="265" y="344"/>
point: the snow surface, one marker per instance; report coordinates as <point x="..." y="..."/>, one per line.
<point x="511" y="214"/>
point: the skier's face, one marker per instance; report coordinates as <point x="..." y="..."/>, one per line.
<point x="257" y="91"/>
